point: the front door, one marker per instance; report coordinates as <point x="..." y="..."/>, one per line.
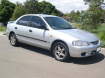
<point x="37" y="32"/>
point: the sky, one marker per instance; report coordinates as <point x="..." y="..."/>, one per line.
<point x="65" y="6"/>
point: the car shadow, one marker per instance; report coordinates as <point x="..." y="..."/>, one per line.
<point x="82" y="61"/>
<point x="36" y="49"/>
<point x="87" y="60"/>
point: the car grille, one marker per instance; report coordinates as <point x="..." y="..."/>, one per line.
<point x="95" y="42"/>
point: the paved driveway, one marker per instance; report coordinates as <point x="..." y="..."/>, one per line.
<point x="30" y="62"/>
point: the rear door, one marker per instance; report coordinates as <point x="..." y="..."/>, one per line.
<point x="21" y="28"/>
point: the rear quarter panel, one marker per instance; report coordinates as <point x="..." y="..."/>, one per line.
<point x="10" y="28"/>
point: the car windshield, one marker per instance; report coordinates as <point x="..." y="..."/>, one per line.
<point x="58" y="23"/>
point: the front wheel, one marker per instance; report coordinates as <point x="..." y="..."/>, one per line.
<point x="60" y="51"/>
<point x="13" y="40"/>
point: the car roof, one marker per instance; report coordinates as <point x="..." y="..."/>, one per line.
<point x="41" y="15"/>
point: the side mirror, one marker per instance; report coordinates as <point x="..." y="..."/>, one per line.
<point x="46" y="28"/>
<point x="43" y="27"/>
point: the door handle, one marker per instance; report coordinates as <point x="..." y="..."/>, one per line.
<point x="30" y="30"/>
<point x="16" y="28"/>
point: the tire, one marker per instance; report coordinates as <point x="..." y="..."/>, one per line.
<point x="60" y="51"/>
<point x="13" y="40"/>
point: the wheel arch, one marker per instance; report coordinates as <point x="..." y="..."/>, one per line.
<point x="58" y="40"/>
<point x="10" y="34"/>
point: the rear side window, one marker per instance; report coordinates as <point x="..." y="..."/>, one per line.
<point x="24" y="20"/>
<point x="37" y="22"/>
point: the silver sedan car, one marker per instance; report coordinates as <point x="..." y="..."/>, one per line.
<point x="53" y="33"/>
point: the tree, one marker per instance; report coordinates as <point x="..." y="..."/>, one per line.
<point x="96" y="2"/>
<point x="6" y="10"/>
<point x="103" y="17"/>
<point x="35" y="7"/>
<point x="19" y="11"/>
<point x="57" y="12"/>
<point x="93" y="15"/>
<point x="47" y="8"/>
<point x="74" y="16"/>
<point x="31" y="6"/>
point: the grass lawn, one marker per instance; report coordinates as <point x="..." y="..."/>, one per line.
<point x="2" y="28"/>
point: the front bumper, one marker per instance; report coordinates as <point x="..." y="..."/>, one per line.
<point x="85" y="51"/>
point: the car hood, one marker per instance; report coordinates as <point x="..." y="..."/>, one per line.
<point x="80" y="34"/>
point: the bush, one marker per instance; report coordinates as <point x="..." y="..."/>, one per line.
<point x="103" y="44"/>
<point x="102" y="35"/>
<point x="100" y="32"/>
<point x="91" y="17"/>
<point x="77" y="25"/>
<point x="84" y="27"/>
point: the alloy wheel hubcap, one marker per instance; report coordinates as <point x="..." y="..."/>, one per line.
<point x="13" y="40"/>
<point x="60" y="52"/>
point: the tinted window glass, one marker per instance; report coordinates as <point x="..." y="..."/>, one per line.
<point x="24" y="20"/>
<point x="58" y="23"/>
<point x="37" y="22"/>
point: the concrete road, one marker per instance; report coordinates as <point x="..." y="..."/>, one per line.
<point x="30" y="62"/>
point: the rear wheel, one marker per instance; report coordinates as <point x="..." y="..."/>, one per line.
<point x="13" y="39"/>
<point x="60" y="51"/>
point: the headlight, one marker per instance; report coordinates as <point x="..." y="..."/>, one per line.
<point x="80" y="43"/>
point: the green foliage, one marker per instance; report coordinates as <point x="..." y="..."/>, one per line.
<point x="6" y="10"/>
<point x="57" y="12"/>
<point x="31" y="6"/>
<point x="2" y="28"/>
<point x="81" y="26"/>
<point x="77" y="25"/>
<point x="19" y="11"/>
<point x="35" y="7"/>
<point x="74" y="16"/>
<point x="103" y="17"/>
<point x="46" y="7"/>
<point x="92" y="17"/>
<point x="103" y="44"/>
<point x="94" y="2"/>
<point x="100" y="31"/>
